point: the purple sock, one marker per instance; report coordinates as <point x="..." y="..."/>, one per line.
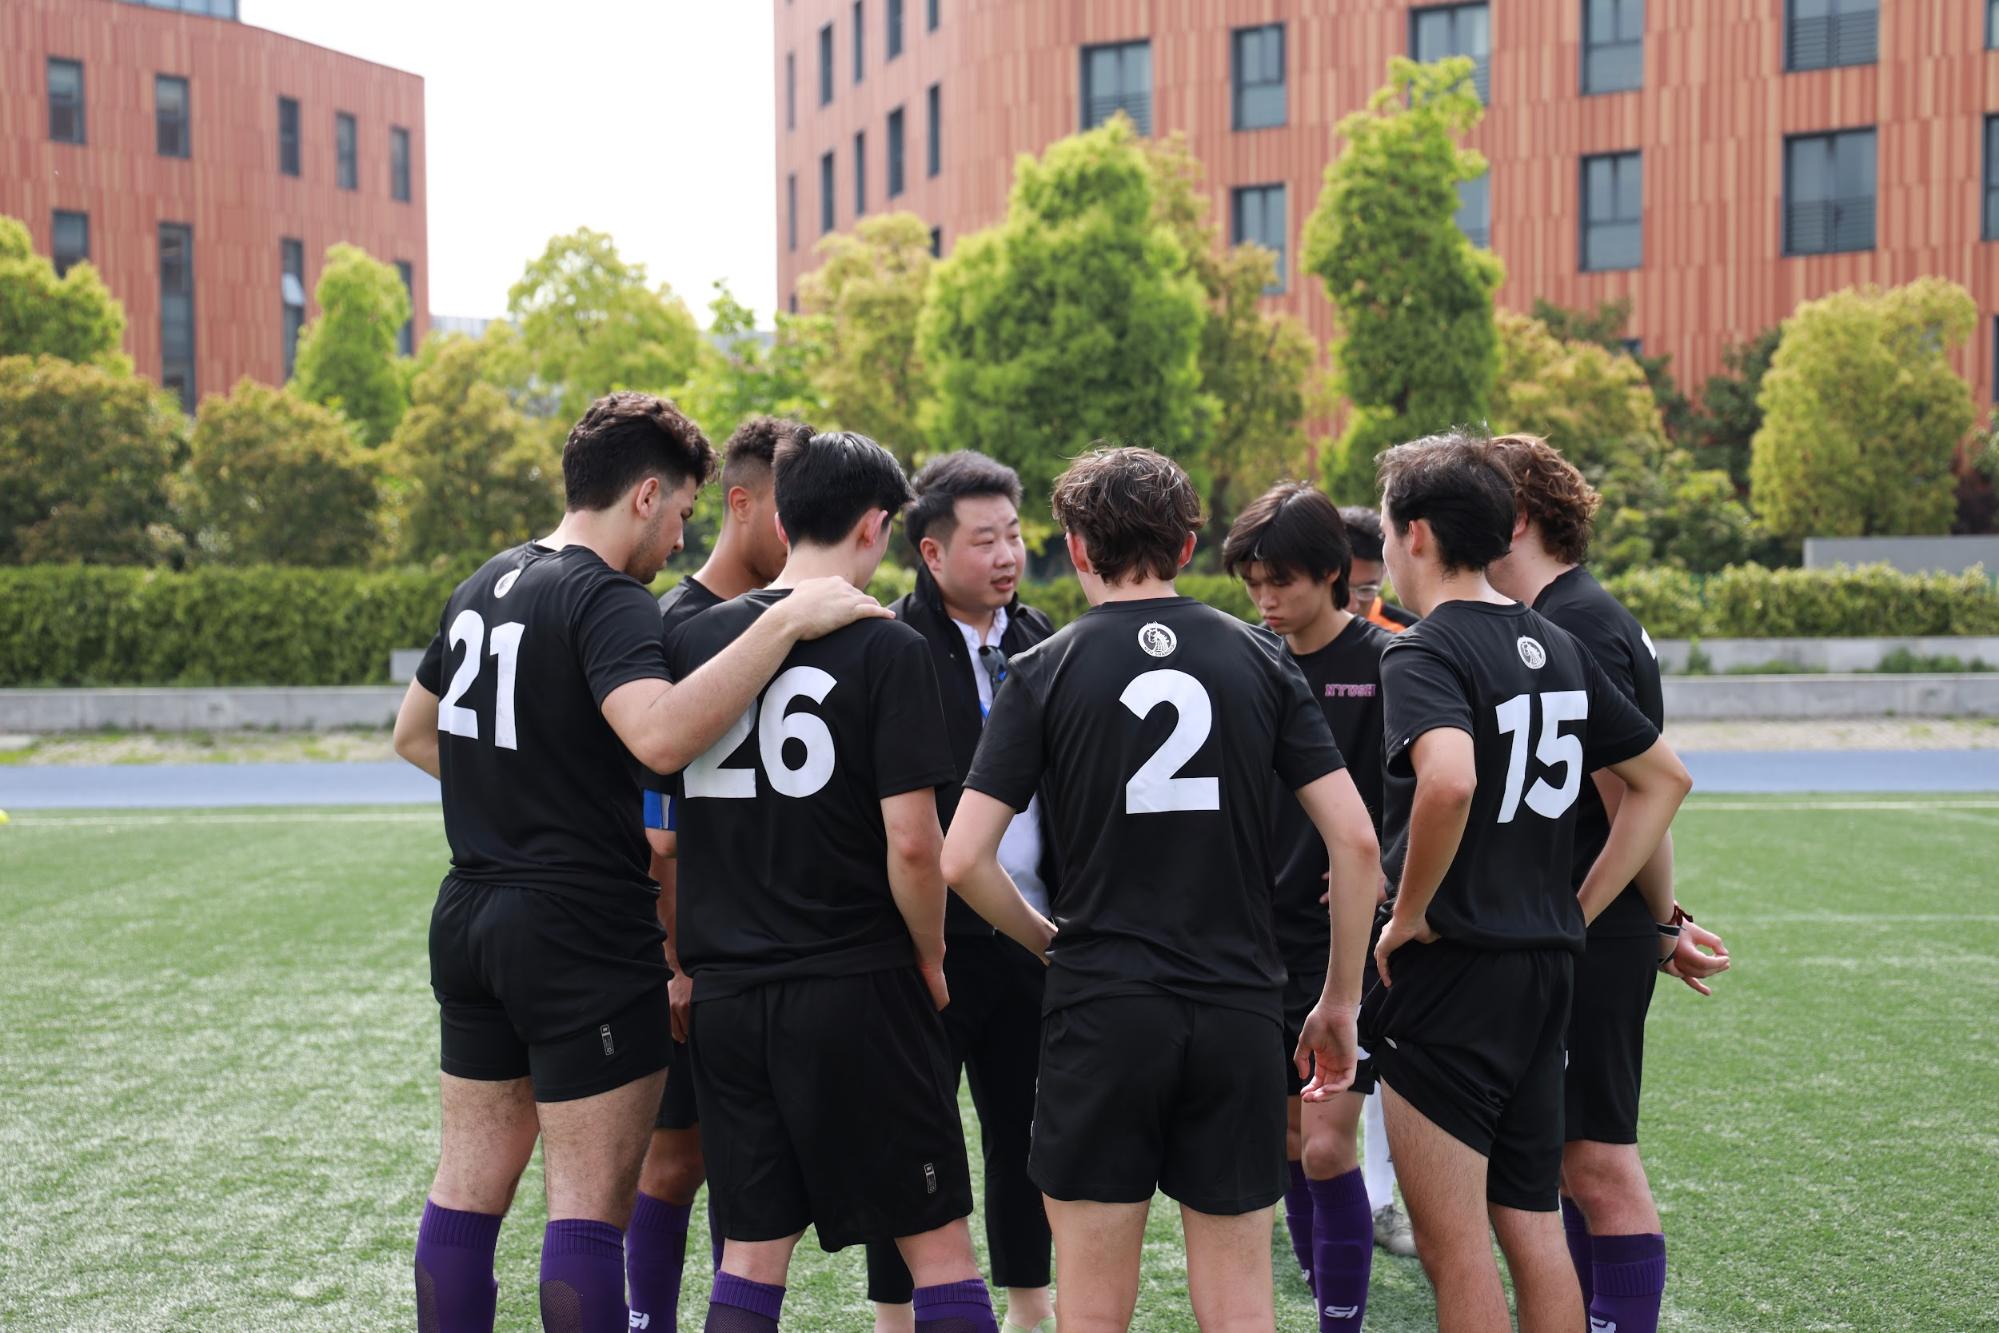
<point x="1630" y="1277"/>
<point x="738" y="1305"/>
<point x="655" y="1251"/>
<point x="455" y="1290"/>
<point x="1576" y="1231"/>
<point x="955" y="1307"/>
<point x="1298" y="1219"/>
<point x="583" y="1278"/>
<point x="1342" y="1249"/>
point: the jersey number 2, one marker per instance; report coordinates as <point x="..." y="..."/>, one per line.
<point x="469" y="628"/>
<point x="1154" y="789"/>
<point x="1555" y="749"/>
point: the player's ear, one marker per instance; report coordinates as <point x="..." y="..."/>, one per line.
<point x="1186" y="550"/>
<point x="1079" y="554"/>
<point x="1519" y="524"/>
<point x="646" y="496"/>
<point x="739" y="502"/>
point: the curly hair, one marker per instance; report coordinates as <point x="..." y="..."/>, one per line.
<point x="1553" y="495"/>
<point x="624" y="438"/>
<point x="1133" y="508"/>
<point x="747" y="457"/>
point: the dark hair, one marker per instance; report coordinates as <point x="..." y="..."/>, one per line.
<point x="1291" y="529"/>
<point x="1133" y="508"/>
<point x="625" y="438"/>
<point x="1454" y="481"/>
<point x="945" y="481"/>
<point x="746" y="459"/>
<point x="1551" y="493"/>
<point x="1363" y="531"/>
<point x="827" y="483"/>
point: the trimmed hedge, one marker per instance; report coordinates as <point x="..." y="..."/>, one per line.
<point x="101" y="625"/>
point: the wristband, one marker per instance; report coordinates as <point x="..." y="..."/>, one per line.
<point x="1670" y="929"/>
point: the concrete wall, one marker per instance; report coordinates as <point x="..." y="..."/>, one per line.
<point x="1818" y="654"/>
<point x="1911" y="555"/>
<point x="1757" y="698"/>
<point x="322" y="708"/>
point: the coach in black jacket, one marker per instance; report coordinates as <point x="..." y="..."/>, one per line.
<point x="965" y="528"/>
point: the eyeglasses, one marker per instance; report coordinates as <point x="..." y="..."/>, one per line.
<point x="993" y="659"/>
<point x="1366" y="592"/>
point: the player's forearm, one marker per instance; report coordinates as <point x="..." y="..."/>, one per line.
<point x="415" y="737"/>
<point x="988" y="890"/>
<point x="1640" y="828"/>
<point x="691" y="716"/>
<point x="918" y="887"/>
<point x="1355" y="872"/>
<point x="666" y="873"/>
<point x="1655" y="880"/>
<point x="1437" y="816"/>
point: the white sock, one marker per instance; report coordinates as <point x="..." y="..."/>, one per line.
<point x="1377" y="1169"/>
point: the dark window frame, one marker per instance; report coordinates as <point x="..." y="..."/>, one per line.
<point x="860" y="173"/>
<point x="77" y="110"/>
<point x="1992" y="29"/>
<point x="1832" y="140"/>
<point x="291" y="313"/>
<point x="180" y="127"/>
<point x="936" y="242"/>
<point x="826" y="79"/>
<point x="933" y="151"/>
<point x="346" y="151"/>
<point x="406" y="335"/>
<point x="1481" y="236"/>
<point x="790" y="91"/>
<point x="1586" y="223"/>
<point x="399" y="164"/>
<point x="898" y="143"/>
<point x="932" y="15"/>
<point x="66" y="259"/>
<point x="1138" y="106"/>
<point x="791" y="212"/>
<point x="827" y="180"/>
<point x="1481" y="65"/>
<point x="1604" y="81"/>
<point x="892" y="39"/>
<point x="1240" y="88"/>
<point x="860" y="40"/>
<point x="182" y="232"/>
<point x="1850" y="37"/>
<point x="1989" y="225"/>
<point x="1241" y="196"/>
<point x="290" y="138"/>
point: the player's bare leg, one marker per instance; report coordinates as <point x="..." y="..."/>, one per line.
<point x="1443" y="1182"/>
<point x="656" y="1236"/>
<point x="1607" y="1181"/>
<point x="765" y="1261"/>
<point x="1342" y="1223"/>
<point x="1626" y="1244"/>
<point x="592" y="1148"/>
<point x="949" y="1289"/>
<point x="1228" y="1270"/>
<point x="1097" y="1250"/>
<point x="1544" y="1282"/>
<point x="749" y="1288"/>
<point x="673" y="1169"/>
<point x="489" y="1133"/>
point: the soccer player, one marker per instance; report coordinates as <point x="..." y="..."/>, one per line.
<point x="811" y="916"/>
<point x="965" y="526"/>
<point x="545" y="949"/>
<point x="1151" y="726"/>
<point x="1364" y="535"/>
<point x="1289" y="547"/>
<point x="1494" y="717"/>
<point x="1607" y="1210"/>
<point x="748" y="553"/>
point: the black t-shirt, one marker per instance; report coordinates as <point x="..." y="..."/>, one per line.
<point x="681" y="603"/>
<point x="1541" y="717"/>
<point x="538" y="790"/>
<point x="783" y="867"/>
<point x="1345" y="679"/>
<point x="1151" y="729"/>
<point x="1620" y="645"/>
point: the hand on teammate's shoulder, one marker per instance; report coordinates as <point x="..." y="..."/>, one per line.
<point x="817" y="607"/>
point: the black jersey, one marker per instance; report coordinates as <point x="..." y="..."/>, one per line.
<point x="1620" y="645"/>
<point x="783" y="867"/>
<point x="1345" y="678"/>
<point x="538" y="790"/>
<point x="1542" y="717"/>
<point x="681" y="603"/>
<point x="1155" y="726"/>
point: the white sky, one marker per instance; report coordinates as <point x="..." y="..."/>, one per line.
<point x="652" y="120"/>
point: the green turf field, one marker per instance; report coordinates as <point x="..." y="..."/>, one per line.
<point x="218" y="1110"/>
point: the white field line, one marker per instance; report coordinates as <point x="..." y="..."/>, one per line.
<point x="1913" y="803"/>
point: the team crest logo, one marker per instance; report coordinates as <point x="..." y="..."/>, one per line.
<point x="1532" y="653"/>
<point x="1157" y="640"/>
<point x="506" y="583"/>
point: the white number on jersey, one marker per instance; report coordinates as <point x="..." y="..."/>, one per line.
<point x="468" y="628"/>
<point x="707" y="776"/>
<point x="1155" y="789"/>
<point x="1555" y="749"/>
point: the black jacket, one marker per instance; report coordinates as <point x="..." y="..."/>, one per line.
<point x="924" y="610"/>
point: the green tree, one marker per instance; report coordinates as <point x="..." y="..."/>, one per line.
<point x="1863" y="414"/>
<point x="84" y="458"/>
<point x="869" y="287"/>
<point x="741" y="374"/>
<point x="274" y="480"/>
<point x="1072" y="320"/>
<point x="347" y="357"/>
<point x="591" y="323"/>
<point x="1605" y="327"/>
<point x="1730" y="416"/>
<point x="1416" y="351"/>
<point x="467" y="472"/>
<point x="74" y="317"/>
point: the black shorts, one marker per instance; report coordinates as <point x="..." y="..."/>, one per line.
<point x="1472" y="1038"/>
<point x="1614" y="983"/>
<point x="676" y="1099"/>
<point x="564" y="990"/>
<point x="1138" y="1092"/>
<point x="829" y="1102"/>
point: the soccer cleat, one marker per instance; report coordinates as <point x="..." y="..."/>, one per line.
<point x="1392" y="1231"/>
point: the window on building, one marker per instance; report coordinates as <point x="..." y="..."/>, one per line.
<point x="1829" y="192"/>
<point x="1824" y="34"/>
<point x="291" y="292"/>
<point x="895" y="145"/>
<point x="860" y="44"/>
<point x="826" y="65"/>
<point x="1256" y="63"/>
<point x="1991" y="226"/>
<point x="791" y="212"/>
<point x="288" y="135"/>
<point x="177" y="311"/>
<point x="792" y="302"/>
<point x="893" y="46"/>
<point x="933" y="158"/>
<point x="930" y="15"/>
<point x="1613" y="203"/>
<point x="1475" y="210"/>
<point x="1992" y="31"/>
<point x="71" y="235"/>
<point x="406" y="335"/>
<point x="790" y="90"/>
<point x="1118" y="78"/>
<point x="1455" y="30"/>
<point x="1613" y="45"/>
<point x="825" y="193"/>
<point x="936" y="242"/>
<point x="66" y="101"/>
<point x="399" y="164"/>
<point x="1256" y="217"/>
<point x="347" y="167"/>
<point x="1633" y="347"/>
<point x="170" y="115"/>
<point x="860" y="173"/>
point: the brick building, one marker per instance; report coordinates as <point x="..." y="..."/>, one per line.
<point x="204" y="166"/>
<point x="1715" y="161"/>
